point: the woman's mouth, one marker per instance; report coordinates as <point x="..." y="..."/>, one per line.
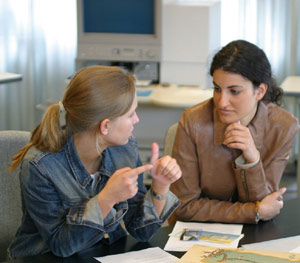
<point x="225" y="112"/>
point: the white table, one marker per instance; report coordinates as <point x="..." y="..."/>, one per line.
<point x="291" y="87"/>
<point x="6" y="77"/>
<point x="174" y="96"/>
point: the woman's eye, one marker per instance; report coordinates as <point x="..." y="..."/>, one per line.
<point x="235" y="92"/>
<point x="217" y="89"/>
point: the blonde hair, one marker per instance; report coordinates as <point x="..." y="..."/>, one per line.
<point x="94" y="94"/>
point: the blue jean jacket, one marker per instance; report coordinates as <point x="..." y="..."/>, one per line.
<point x="61" y="213"/>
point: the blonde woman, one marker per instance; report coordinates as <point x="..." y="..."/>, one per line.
<point x="81" y="174"/>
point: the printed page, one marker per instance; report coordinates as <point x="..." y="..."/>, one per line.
<point x="197" y="254"/>
<point x="187" y="234"/>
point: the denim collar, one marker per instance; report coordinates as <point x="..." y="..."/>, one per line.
<point x="79" y="171"/>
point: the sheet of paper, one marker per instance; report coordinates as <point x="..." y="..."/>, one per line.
<point x="283" y="245"/>
<point x="296" y="250"/>
<point x="175" y="244"/>
<point x="149" y="255"/>
<point x="197" y="254"/>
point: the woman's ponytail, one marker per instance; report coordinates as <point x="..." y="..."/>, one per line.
<point x="48" y="136"/>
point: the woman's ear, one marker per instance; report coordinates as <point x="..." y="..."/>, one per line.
<point x="103" y="126"/>
<point x="261" y="91"/>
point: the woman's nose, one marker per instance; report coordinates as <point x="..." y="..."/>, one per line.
<point x="136" y="118"/>
<point x="223" y="99"/>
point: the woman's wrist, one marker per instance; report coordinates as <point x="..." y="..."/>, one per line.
<point x="158" y="196"/>
<point x="106" y="203"/>
<point x="253" y="159"/>
<point x="159" y="188"/>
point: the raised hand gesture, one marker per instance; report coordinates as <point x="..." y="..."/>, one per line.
<point x="165" y="169"/>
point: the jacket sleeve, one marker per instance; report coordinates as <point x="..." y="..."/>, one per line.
<point x="141" y="220"/>
<point x="195" y="207"/>
<point x="65" y="230"/>
<point x="252" y="183"/>
<point x="257" y="182"/>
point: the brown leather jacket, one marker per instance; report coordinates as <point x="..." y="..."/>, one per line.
<point x="212" y="188"/>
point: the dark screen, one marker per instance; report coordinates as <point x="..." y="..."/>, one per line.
<point x="118" y="16"/>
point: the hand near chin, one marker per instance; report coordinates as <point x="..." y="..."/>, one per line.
<point x="238" y="136"/>
<point x="165" y="170"/>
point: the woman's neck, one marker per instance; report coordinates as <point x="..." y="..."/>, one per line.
<point x="85" y="144"/>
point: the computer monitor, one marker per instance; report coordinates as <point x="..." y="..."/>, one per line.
<point x="119" y="30"/>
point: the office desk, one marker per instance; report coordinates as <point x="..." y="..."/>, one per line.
<point x="286" y="224"/>
<point x="174" y="96"/>
<point x="291" y="88"/>
<point x="6" y="77"/>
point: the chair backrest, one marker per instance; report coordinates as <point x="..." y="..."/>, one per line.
<point x="10" y="197"/>
<point x="169" y="139"/>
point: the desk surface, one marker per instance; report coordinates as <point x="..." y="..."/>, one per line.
<point x="173" y="95"/>
<point x="6" y="77"/>
<point x="291" y="86"/>
<point x="286" y="224"/>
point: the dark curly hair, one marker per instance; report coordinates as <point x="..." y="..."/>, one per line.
<point x="251" y="62"/>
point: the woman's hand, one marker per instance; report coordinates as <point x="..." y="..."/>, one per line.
<point x="164" y="172"/>
<point x="271" y="205"/>
<point x="121" y="186"/>
<point x="238" y="136"/>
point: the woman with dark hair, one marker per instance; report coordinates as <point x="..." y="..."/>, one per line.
<point x="234" y="147"/>
<point x="81" y="173"/>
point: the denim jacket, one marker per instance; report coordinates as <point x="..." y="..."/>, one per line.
<point x="61" y="213"/>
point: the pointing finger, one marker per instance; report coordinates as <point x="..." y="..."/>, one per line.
<point x="136" y="171"/>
